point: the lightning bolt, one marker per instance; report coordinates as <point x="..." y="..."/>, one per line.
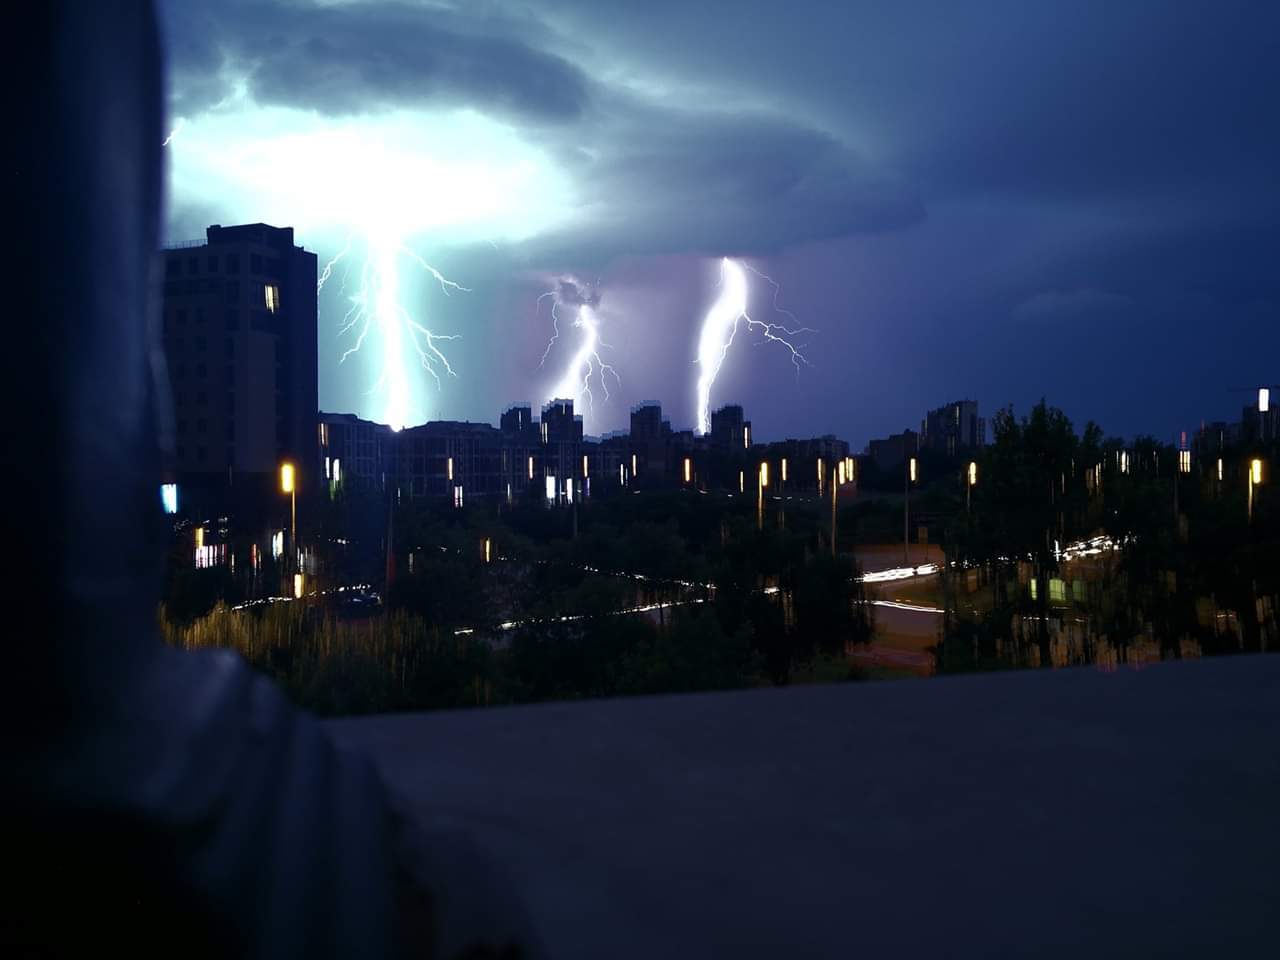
<point x="720" y="326"/>
<point x="177" y="129"/>
<point x="586" y="362"/>
<point x="377" y="307"/>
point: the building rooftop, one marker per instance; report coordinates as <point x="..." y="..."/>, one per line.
<point x="1075" y="813"/>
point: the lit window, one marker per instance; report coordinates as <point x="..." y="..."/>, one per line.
<point x="272" y="295"/>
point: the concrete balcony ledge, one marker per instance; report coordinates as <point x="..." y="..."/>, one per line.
<point x="1074" y="813"/>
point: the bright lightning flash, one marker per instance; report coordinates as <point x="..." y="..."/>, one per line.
<point x="377" y="305"/>
<point x="586" y="362"/>
<point x="177" y="129"/>
<point x="721" y="325"/>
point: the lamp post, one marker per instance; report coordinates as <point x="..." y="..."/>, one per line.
<point x="1255" y="478"/>
<point x="762" y="481"/>
<point x="908" y="479"/>
<point x="837" y="474"/>
<point x="288" y="484"/>
<point x="973" y="482"/>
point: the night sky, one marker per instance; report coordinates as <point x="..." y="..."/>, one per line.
<point x="999" y="201"/>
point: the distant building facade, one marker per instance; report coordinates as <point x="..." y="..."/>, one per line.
<point x="549" y="457"/>
<point x="952" y="429"/>
<point x="355" y="452"/>
<point x="891" y="452"/>
<point x="1258" y="425"/>
<point x="729" y="428"/>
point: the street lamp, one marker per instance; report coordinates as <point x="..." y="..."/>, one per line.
<point x="973" y="482"/>
<point x="908" y="480"/>
<point x="1255" y="478"/>
<point x="762" y="482"/>
<point x="837" y="478"/>
<point x="288" y="484"/>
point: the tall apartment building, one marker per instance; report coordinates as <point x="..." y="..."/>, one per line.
<point x="953" y="428"/>
<point x="729" y="429"/>
<point x="239" y="318"/>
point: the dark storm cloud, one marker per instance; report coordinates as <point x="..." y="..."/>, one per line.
<point x="576" y="293"/>
<point x="655" y="174"/>
<point x="367" y="57"/>
<point x="715" y="182"/>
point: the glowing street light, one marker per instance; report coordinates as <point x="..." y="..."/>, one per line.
<point x="584" y="465"/>
<point x="784" y="469"/>
<point x="908" y="480"/>
<point x="762" y="481"/>
<point x="973" y="482"/>
<point x="289" y="485"/>
<point x="688" y="470"/>
<point x="1255" y="478"/>
<point x="1264" y="399"/>
<point x="451" y="469"/>
<point x="297" y="586"/>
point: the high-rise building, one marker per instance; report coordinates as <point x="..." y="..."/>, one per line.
<point x="1258" y="420"/>
<point x="953" y="428"/>
<point x="729" y="430"/>
<point x="646" y="422"/>
<point x="240" y="339"/>
<point x="561" y="458"/>
<point x="650" y="436"/>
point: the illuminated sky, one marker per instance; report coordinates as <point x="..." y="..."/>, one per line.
<point x="1002" y="201"/>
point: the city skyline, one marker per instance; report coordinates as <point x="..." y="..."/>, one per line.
<point x="1087" y="218"/>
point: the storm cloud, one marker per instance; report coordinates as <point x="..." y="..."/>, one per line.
<point x="1003" y="201"/>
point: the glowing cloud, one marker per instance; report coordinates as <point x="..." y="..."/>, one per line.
<point x="373" y="188"/>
